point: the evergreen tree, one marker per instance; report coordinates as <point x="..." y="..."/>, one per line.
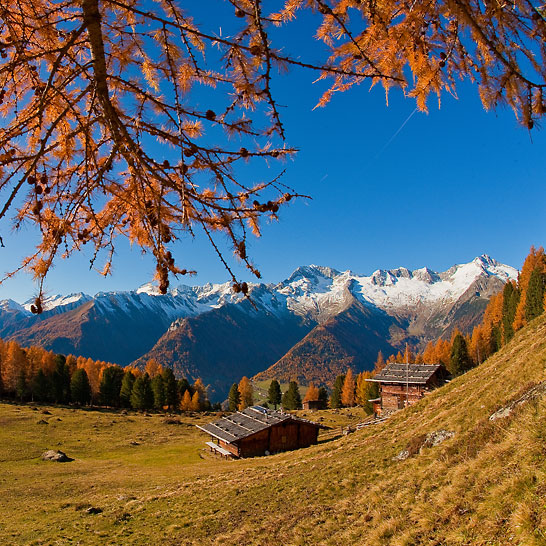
<point x="21" y="385"/>
<point x="323" y="397"/>
<point x="534" y="302"/>
<point x="142" y="397"/>
<point x="510" y="300"/>
<point x="126" y="389"/>
<point x="40" y="387"/>
<point x="274" y="394"/>
<point x="60" y="381"/>
<point x="80" y="389"/>
<point x="460" y="361"/>
<point x="335" y="399"/>
<point x="158" y="388"/>
<point x="348" y="390"/>
<point x="171" y="390"/>
<point x="246" y="392"/>
<point x="291" y="399"/>
<point x="183" y="385"/>
<point x="110" y="386"/>
<point x="234" y="398"/>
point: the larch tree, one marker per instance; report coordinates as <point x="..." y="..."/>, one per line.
<point x="348" y="390"/>
<point x="185" y="403"/>
<point x="246" y="393"/>
<point x="104" y="136"/>
<point x="312" y="394"/>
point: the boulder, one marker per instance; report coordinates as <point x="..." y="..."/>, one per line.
<point x="56" y="456"/>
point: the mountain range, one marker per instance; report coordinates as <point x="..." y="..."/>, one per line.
<point x="311" y="326"/>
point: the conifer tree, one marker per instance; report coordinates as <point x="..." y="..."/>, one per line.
<point x="234" y="397"/>
<point x="348" y="390"/>
<point x="510" y="300"/>
<point x="158" y="389"/>
<point x="60" y="381"/>
<point x="110" y="386"/>
<point x="142" y="397"/>
<point x="460" y="362"/>
<point x="21" y="385"/>
<point x="185" y="403"/>
<point x="201" y="390"/>
<point x="40" y="387"/>
<point x="274" y="394"/>
<point x="312" y="393"/>
<point x="246" y="393"/>
<point x="379" y="363"/>
<point x="183" y="385"/>
<point x="323" y="397"/>
<point x="171" y="390"/>
<point x="291" y="399"/>
<point x="80" y="389"/>
<point x="195" y="404"/>
<point x="335" y="398"/>
<point x="126" y="389"/>
<point x="534" y="303"/>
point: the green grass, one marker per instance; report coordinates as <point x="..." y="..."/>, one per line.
<point x="486" y="485"/>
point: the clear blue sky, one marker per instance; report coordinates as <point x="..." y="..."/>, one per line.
<point x="387" y="191"/>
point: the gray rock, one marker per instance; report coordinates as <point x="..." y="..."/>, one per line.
<point x="501" y="414"/>
<point x="436" y="438"/>
<point x="56" y="456"/>
<point x="402" y="456"/>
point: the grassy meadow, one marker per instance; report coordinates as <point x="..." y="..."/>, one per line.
<point x="154" y="483"/>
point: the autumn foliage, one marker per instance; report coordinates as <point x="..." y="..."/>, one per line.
<point x="506" y="313"/>
<point x="42" y="376"/>
<point x="102" y="135"/>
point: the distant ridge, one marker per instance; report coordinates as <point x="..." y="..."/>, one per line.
<point x="317" y="320"/>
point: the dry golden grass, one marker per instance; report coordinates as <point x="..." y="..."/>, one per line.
<point x="484" y="486"/>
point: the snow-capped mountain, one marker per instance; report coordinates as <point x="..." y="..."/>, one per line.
<point x="197" y="327"/>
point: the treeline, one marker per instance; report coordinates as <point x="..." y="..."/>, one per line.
<point x="34" y="374"/>
<point x="346" y="391"/>
<point x="507" y="312"/>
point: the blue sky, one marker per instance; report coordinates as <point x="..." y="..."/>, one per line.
<point x="387" y="191"/>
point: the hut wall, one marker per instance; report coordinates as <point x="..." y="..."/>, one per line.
<point x="232" y="448"/>
<point x="281" y="437"/>
<point x="394" y="396"/>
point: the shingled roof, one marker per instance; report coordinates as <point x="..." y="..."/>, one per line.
<point x="237" y="426"/>
<point x="417" y="374"/>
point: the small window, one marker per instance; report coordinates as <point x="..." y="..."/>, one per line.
<point x="283" y="439"/>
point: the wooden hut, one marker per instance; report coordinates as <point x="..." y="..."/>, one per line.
<point x="401" y="385"/>
<point x="313" y="404"/>
<point x="260" y="431"/>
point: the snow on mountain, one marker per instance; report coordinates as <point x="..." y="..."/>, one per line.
<point x="314" y="289"/>
<point x="10" y="305"/>
<point x="311" y="291"/>
<point x="59" y="300"/>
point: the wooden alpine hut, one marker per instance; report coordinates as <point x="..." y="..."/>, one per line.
<point x="401" y="385"/>
<point x="260" y="431"/>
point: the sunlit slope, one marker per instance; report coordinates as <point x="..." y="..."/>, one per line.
<point x="486" y="485"/>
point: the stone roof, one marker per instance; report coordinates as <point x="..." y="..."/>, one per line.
<point x="237" y="426"/>
<point x="416" y="374"/>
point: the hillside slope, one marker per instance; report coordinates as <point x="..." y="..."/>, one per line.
<point x="486" y="485"/>
<point x="147" y="481"/>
